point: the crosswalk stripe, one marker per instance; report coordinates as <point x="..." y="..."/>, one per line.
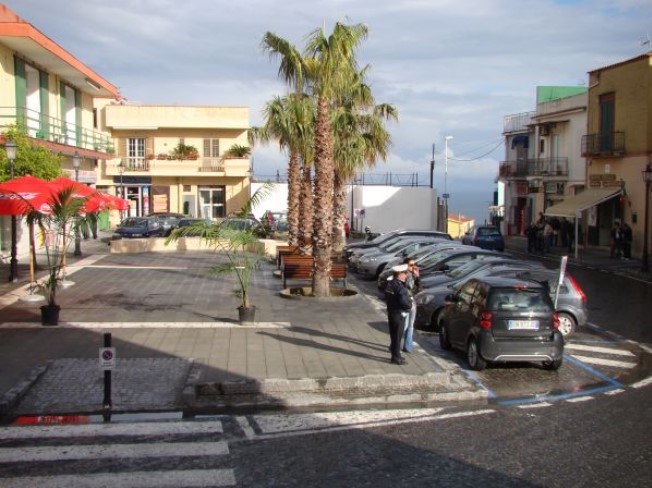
<point x="604" y="362"/>
<point x="196" y="478"/>
<point x="96" y="430"/>
<point x="604" y="350"/>
<point x="96" y="451"/>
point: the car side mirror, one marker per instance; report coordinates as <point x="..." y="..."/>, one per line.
<point x="451" y="298"/>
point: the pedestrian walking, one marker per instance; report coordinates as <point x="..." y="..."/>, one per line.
<point x="531" y="233"/>
<point x="616" y="241"/>
<point x="548" y="236"/>
<point x="413" y="283"/>
<point x="399" y="304"/>
<point x="626" y="233"/>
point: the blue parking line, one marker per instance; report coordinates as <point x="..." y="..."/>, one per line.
<point x="593" y="371"/>
<point x="474" y="377"/>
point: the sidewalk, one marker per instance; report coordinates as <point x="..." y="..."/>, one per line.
<point x="590" y="257"/>
<point x="180" y="347"/>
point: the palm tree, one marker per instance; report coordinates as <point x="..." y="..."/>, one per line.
<point x="330" y="66"/>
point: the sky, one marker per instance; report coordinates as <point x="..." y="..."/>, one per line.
<point x="450" y="67"/>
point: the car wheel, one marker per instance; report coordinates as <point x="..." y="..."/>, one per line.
<point x="567" y="325"/>
<point x="379" y="270"/>
<point x="444" y="340"/>
<point x="552" y="365"/>
<point x="473" y="357"/>
<point x="436" y="321"/>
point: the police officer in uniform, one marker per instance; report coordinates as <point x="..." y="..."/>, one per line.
<point x="399" y="303"/>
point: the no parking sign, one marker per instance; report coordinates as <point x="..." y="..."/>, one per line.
<point x="107" y="358"/>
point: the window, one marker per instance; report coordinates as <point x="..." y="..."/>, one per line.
<point x="607" y="124"/>
<point x="136" y="152"/>
<point x="211" y="148"/>
<point x="212" y="202"/>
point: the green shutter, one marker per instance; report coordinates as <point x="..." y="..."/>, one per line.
<point x="21" y="90"/>
<point x="62" y="111"/>
<point x="44" y="95"/>
<point x="78" y="118"/>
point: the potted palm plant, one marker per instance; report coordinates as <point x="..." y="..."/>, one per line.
<point x="58" y="225"/>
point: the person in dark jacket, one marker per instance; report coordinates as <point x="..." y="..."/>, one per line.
<point x="399" y="304"/>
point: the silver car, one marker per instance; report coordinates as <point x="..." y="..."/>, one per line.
<point x="372" y="265"/>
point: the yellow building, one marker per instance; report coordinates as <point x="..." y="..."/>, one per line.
<point x="202" y="180"/>
<point x="458" y="225"/>
<point x="617" y="147"/>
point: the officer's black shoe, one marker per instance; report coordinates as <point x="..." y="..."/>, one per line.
<point x="398" y="361"/>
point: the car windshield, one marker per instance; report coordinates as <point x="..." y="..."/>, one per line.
<point x="466" y="268"/>
<point x="389" y="245"/>
<point x="488" y="231"/>
<point x="519" y="299"/>
<point x="435" y="258"/>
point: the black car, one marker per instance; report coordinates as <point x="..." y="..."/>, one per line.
<point x="497" y="319"/>
<point x="168" y="220"/>
<point x="139" y="227"/>
<point x="486" y="237"/>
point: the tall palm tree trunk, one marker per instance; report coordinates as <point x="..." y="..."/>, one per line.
<point x="307" y="213"/>
<point x="339" y="214"/>
<point x="294" y="187"/>
<point x="323" y="190"/>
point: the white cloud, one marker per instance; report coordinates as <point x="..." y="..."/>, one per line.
<point x="449" y="66"/>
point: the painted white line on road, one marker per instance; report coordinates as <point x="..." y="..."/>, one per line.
<point x="113" y="451"/>
<point x="148" y="325"/>
<point x="246" y="428"/>
<point x="535" y="405"/>
<point x="642" y="383"/>
<point x="195" y="478"/>
<point x="614" y="392"/>
<point x="646" y="348"/>
<point x="370" y="425"/>
<point x="604" y="362"/>
<point x="579" y="399"/>
<point x="604" y="350"/>
<point x="105" y="430"/>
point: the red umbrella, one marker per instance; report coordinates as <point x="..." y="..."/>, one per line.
<point x="23" y="195"/>
<point x="94" y="200"/>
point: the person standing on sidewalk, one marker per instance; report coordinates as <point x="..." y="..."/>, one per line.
<point x="616" y="241"/>
<point x="412" y="283"/>
<point x="399" y="304"/>
<point x="626" y="234"/>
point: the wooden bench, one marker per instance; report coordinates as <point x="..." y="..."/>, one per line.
<point x="284" y="251"/>
<point x="301" y="268"/>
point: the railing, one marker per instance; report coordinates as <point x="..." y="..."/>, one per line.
<point x="534" y="167"/>
<point x="52" y="129"/>
<point x="609" y="144"/>
<point x="236" y="167"/>
<point x="517" y="122"/>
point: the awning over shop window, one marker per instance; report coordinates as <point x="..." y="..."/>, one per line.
<point x="521" y="139"/>
<point x="572" y="206"/>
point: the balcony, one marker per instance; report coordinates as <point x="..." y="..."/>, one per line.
<point x="517" y="122"/>
<point x="534" y="167"/>
<point x="209" y="167"/>
<point x="56" y="131"/>
<point x="611" y="144"/>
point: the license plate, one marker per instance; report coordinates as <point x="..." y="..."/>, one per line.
<point x="136" y="235"/>
<point x="523" y="324"/>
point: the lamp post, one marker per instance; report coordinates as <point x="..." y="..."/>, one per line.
<point x="647" y="178"/>
<point x="11" y="149"/>
<point x="76" y="163"/>
<point x="121" y="192"/>
<point x="448" y="138"/>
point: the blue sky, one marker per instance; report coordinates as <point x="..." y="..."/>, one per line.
<point x="451" y="67"/>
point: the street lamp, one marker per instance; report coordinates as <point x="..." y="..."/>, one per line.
<point x="11" y="149"/>
<point x="121" y="169"/>
<point x="76" y="163"/>
<point x="647" y="178"/>
<point x="448" y="138"/>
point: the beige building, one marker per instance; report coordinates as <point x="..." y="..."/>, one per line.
<point x="50" y="93"/>
<point x="148" y="168"/>
<point x="458" y="225"/>
<point x="617" y="146"/>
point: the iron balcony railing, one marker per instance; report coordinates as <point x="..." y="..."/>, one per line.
<point x="610" y="144"/>
<point x="517" y="122"/>
<point x="534" y="167"/>
<point x="52" y="129"/>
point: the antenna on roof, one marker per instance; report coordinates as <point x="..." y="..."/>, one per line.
<point x="645" y="41"/>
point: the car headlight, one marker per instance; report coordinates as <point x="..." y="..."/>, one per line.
<point x="423" y="298"/>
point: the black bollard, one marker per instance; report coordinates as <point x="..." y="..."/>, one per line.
<point x="106" y="403"/>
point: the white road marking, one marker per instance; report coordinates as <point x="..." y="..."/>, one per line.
<point x="246" y="428"/>
<point x="147" y="325"/>
<point x="95" y="430"/>
<point x="604" y="362"/>
<point x="196" y="478"/>
<point x="579" y="399"/>
<point x="642" y="383"/>
<point x="646" y="348"/>
<point x="604" y="350"/>
<point x="368" y="425"/>
<point x="614" y="392"/>
<point x="535" y="405"/>
<point x="111" y="451"/>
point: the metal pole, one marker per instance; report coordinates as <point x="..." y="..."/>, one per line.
<point x="77" y="236"/>
<point x="106" y="403"/>
<point x="13" y="269"/>
<point x="645" y="267"/>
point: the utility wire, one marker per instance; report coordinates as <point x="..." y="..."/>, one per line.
<point x="479" y="157"/>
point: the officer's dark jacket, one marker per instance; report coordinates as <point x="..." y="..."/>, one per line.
<point x="397" y="296"/>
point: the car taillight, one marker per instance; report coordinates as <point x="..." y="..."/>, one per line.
<point x="577" y="288"/>
<point x="476" y="240"/>
<point x="485" y="320"/>
<point x="555" y="320"/>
